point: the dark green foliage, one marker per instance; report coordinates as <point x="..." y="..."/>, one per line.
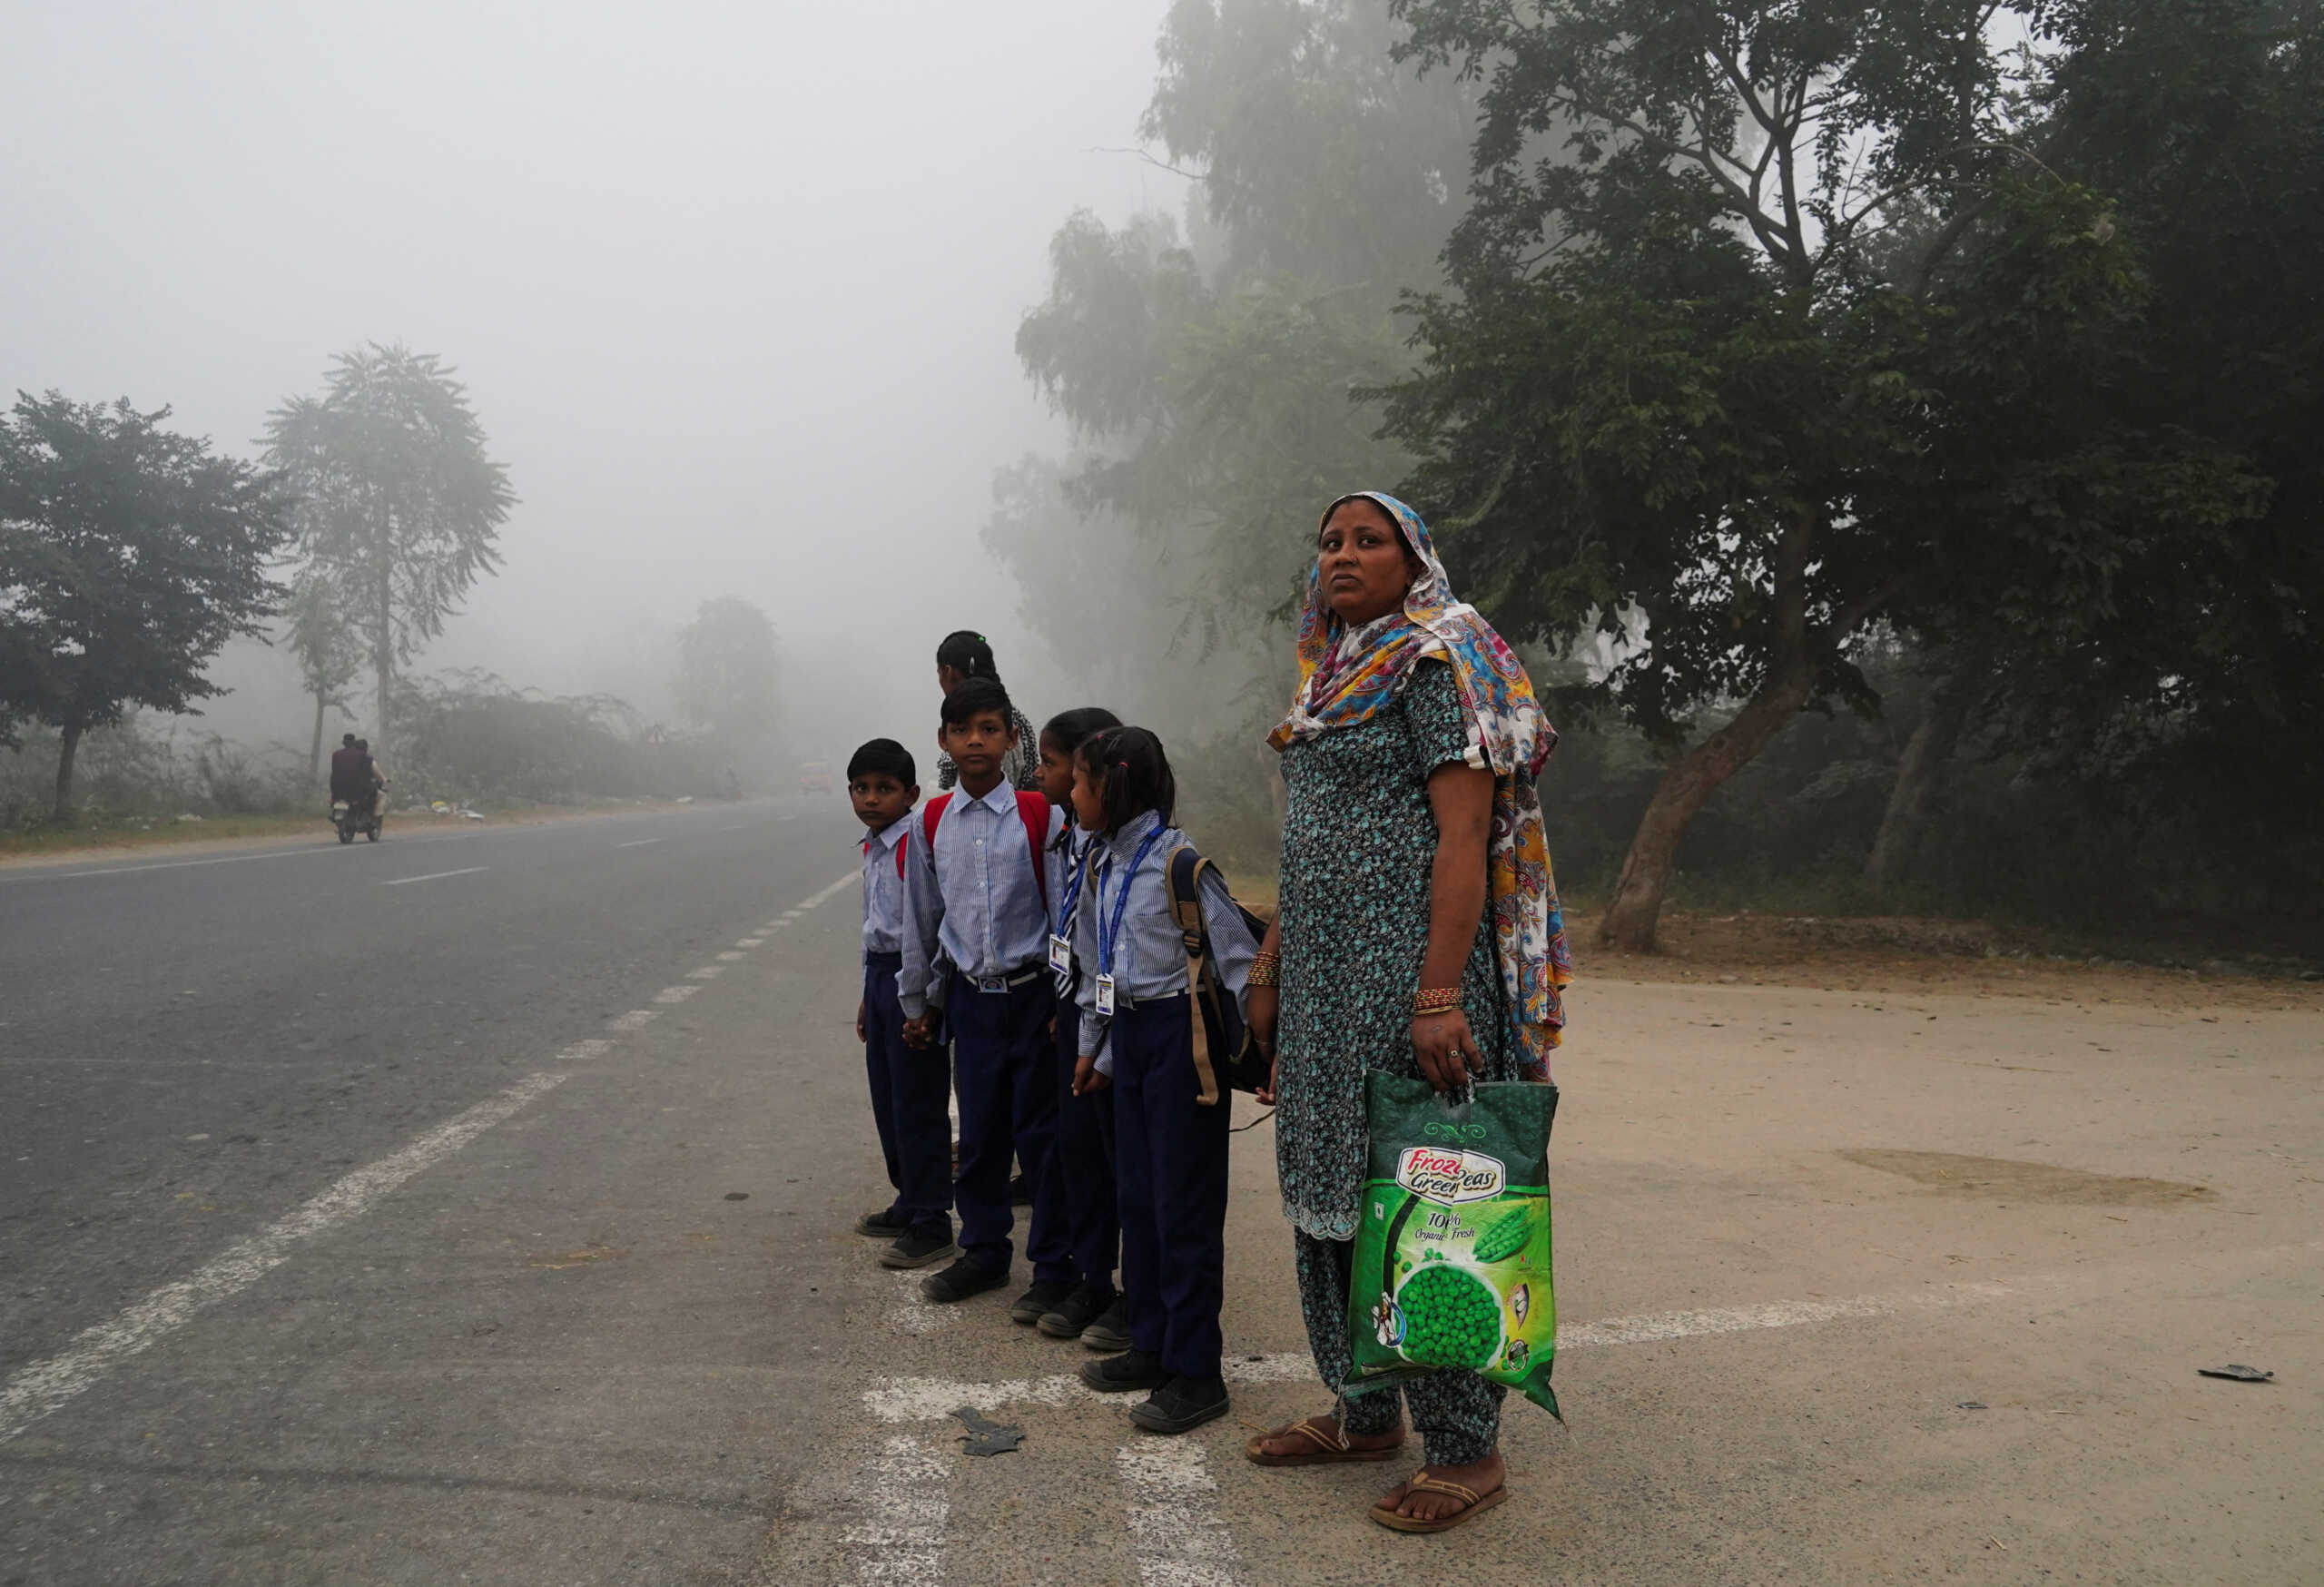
<point x="129" y="554"/>
<point x="1773" y="324"/>
<point x="1451" y="1317"/>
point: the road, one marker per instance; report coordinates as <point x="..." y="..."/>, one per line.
<point x="515" y="1250"/>
<point x="254" y="1022"/>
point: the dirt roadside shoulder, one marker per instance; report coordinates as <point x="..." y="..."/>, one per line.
<point x="1909" y="954"/>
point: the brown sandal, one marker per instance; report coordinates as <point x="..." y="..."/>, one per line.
<point x="1332" y="1446"/>
<point x="1473" y="1503"/>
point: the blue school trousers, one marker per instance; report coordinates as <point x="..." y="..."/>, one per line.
<point x="1170" y="1158"/>
<point x="910" y="1089"/>
<point x="1083" y="1164"/>
<point x="1001" y="1071"/>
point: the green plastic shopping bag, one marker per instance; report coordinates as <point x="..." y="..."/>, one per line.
<point x="1452" y="1248"/>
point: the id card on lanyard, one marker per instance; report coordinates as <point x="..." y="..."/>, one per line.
<point x="1060" y="947"/>
<point x="1110" y="929"/>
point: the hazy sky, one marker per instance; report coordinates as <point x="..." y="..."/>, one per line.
<point x="733" y="286"/>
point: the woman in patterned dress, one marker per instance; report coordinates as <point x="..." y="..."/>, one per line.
<point x="1409" y="760"/>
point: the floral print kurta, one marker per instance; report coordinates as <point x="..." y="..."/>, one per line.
<point x="1359" y="842"/>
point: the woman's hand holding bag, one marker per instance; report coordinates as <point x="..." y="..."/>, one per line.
<point x="1446" y="1049"/>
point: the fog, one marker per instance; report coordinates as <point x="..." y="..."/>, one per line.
<point x="731" y="286"/>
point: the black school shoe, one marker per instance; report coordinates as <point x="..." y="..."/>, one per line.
<point x="917" y="1248"/>
<point x="1182" y="1404"/>
<point x="962" y="1279"/>
<point x="885" y="1224"/>
<point x="1071" y="1317"/>
<point x="1046" y="1295"/>
<point x="1118" y="1374"/>
<point x="1111" y="1331"/>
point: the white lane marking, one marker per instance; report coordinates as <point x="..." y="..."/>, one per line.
<point x="905" y="1492"/>
<point x="926" y="1399"/>
<point x="676" y="994"/>
<point x="637" y="843"/>
<point x="750" y="942"/>
<point x="707" y="972"/>
<point x="635" y="1020"/>
<point x="729" y="956"/>
<point x="436" y="876"/>
<point x="1783" y="1313"/>
<point x="915" y="1315"/>
<point x="587" y="1051"/>
<point x="187" y="864"/>
<point x="833" y="890"/>
<point x="1173" y="1520"/>
<point x="931" y="1399"/>
<point x="46" y="1385"/>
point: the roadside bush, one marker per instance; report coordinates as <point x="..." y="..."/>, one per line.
<point x="135" y="772"/>
<point x="471" y="738"/>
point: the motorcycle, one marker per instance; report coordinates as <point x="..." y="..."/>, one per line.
<point x="348" y="820"/>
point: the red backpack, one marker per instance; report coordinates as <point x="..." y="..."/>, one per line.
<point x="1032" y="809"/>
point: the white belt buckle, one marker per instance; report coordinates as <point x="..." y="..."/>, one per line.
<point x="992" y="983"/>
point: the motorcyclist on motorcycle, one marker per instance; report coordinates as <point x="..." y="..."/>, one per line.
<point x="356" y="778"/>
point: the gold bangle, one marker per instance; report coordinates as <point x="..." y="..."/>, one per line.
<point x="1436" y="1000"/>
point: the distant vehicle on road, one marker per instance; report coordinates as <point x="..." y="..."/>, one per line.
<point x="814" y="777"/>
<point x="349" y="821"/>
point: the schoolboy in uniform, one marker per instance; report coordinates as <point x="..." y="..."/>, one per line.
<point x="975" y="943"/>
<point x="910" y="1085"/>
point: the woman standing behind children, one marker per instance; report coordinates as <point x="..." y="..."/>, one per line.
<point x="1170" y="1120"/>
<point x="1081" y="1158"/>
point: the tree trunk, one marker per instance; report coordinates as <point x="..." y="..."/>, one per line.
<point x="1687" y="783"/>
<point x="67" y="748"/>
<point x="383" y="649"/>
<point x="383" y="655"/>
<point x="1926" y="752"/>
<point x="315" y="755"/>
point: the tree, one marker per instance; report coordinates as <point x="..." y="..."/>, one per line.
<point x="129" y="554"/>
<point x="326" y="650"/>
<point x="2197" y="121"/>
<point x="1768" y="323"/>
<point x="725" y="679"/>
<point x="1211" y="372"/>
<point x="399" y="506"/>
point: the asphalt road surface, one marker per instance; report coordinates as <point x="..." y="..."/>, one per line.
<point x="474" y="1208"/>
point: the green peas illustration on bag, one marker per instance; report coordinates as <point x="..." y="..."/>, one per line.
<point x="1451" y="1264"/>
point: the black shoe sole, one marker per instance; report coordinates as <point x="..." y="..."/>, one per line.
<point x="1113" y="1386"/>
<point x="873" y="1231"/>
<point x="1026" y="1317"/>
<point x="888" y="1258"/>
<point x="1057" y="1325"/>
<point x="1105" y="1339"/>
<point x="1154" y="1421"/>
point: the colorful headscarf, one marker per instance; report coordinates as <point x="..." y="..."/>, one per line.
<point x="1347" y="675"/>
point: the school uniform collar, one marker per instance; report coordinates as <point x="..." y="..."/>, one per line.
<point x="1123" y="845"/>
<point x="1000" y="798"/>
<point x="889" y="835"/>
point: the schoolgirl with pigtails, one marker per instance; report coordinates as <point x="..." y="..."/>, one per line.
<point x="966" y="654"/>
<point x="1081" y="1159"/>
<point x="1137" y="1041"/>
